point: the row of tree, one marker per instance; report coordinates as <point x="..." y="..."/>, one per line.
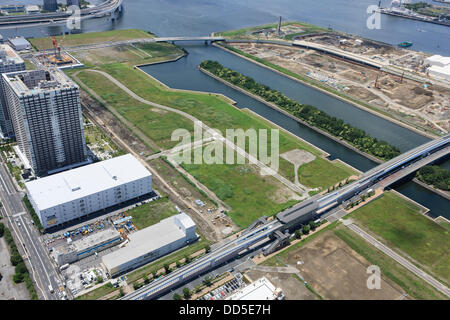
<point x="310" y="114"/>
<point x="21" y="272"/>
<point x="436" y="176"/>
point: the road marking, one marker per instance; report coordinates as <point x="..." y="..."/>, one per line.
<point x="19" y="214"/>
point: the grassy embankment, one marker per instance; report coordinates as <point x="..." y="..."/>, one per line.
<point x="211" y="109"/>
<point x="244" y="32"/>
<point x="402" y="226"/>
<point x="151" y="213"/>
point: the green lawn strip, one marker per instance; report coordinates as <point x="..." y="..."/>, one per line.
<point x="308" y="286"/>
<point x="401" y="224"/>
<point x="152" y="212"/>
<point x="413" y="286"/>
<point x="91" y="37"/>
<point x="98" y="293"/>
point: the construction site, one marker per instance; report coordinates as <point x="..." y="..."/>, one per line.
<point x="56" y="57"/>
<point x="422" y="104"/>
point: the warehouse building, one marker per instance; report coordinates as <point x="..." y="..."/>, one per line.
<point x="151" y="243"/>
<point x="78" y="192"/>
<point x="19" y="43"/>
<point x="75" y="250"/>
<point x="439" y="66"/>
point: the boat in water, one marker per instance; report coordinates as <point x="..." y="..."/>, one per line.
<point x="405" y="44"/>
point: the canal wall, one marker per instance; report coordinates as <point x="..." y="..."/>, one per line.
<point x="275" y="107"/>
<point x="443" y="194"/>
<point x="378" y="114"/>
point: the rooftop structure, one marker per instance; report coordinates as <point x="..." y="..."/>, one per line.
<point x="45" y="110"/>
<point x="10" y="61"/>
<point x="261" y="289"/>
<point x="86" y="246"/>
<point x="19" y="43"/>
<point x="151" y="243"/>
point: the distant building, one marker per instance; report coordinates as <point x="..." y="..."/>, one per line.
<point x="78" y="192"/>
<point x="50" y="5"/>
<point x="19" y="43"/>
<point x="10" y="61"/>
<point x="151" y="243"/>
<point x="75" y="250"/>
<point x="261" y="289"/>
<point x="32" y="9"/>
<point x="12" y="8"/>
<point x="45" y="111"/>
<point x="73" y="3"/>
<point x="439" y="66"/>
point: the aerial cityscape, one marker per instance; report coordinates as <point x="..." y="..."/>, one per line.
<point x="224" y="150"/>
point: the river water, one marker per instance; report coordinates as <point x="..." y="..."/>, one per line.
<point x="201" y="17"/>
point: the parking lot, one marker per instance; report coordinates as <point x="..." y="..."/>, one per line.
<point x="225" y="290"/>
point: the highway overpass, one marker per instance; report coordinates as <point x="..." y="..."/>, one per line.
<point x="103" y="9"/>
<point x="301" y="213"/>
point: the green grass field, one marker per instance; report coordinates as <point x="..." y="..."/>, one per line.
<point x="401" y="224"/>
<point x="90" y="37"/>
<point x="151" y="213"/>
<point x="242" y="188"/>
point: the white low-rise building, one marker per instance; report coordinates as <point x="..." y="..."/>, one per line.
<point x="151" y="243"/>
<point x="261" y="289"/>
<point x="439" y="67"/>
<point x="75" y="193"/>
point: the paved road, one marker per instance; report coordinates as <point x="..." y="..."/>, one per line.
<point x="37" y="259"/>
<point x="407" y="264"/>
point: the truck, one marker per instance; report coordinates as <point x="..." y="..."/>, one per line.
<point x="64" y="266"/>
<point x="50" y="288"/>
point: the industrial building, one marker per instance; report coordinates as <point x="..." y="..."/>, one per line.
<point x="78" y="192"/>
<point x="45" y="111"/>
<point x="10" y="61"/>
<point x="261" y="289"/>
<point x="439" y="66"/>
<point x="151" y="243"/>
<point x="75" y="250"/>
<point x="19" y="43"/>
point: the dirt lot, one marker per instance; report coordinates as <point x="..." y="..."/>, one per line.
<point x="337" y="272"/>
<point x="9" y="290"/>
<point x="292" y="288"/>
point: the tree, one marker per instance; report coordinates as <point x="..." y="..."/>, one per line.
<point x="145" y="278"/>
<point x="18" y="277"/>
<point x="207" y="281"/>
<point x="136" y="286"/>
<point x="2" y="229"/>
<point x="312" y="225"/>
<point x="178" y="264"/>
<point x="154" y="273"/>
<point x="121" y="293"/>
<point x="187" y="258"/>
<point x="99" y="279"/>
<point x="21" y="268"/>
<point x="207" y="248"/>
<point x="186" y="293"/>
<point x="305" y="229"/>
<point x="298" y="234"/>
<point x="176" y="296"/>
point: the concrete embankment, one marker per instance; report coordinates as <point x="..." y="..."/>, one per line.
<point x="353" y="103"/>
<point x="275" y="107"/>
<point x="443" y="194"/>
